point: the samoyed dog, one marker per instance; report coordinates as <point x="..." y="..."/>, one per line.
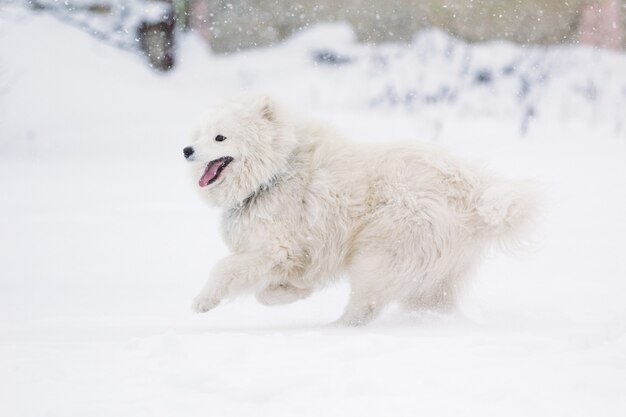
<point x="406" y="223"/>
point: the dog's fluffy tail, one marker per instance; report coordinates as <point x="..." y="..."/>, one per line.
<point x="506" y="210"/>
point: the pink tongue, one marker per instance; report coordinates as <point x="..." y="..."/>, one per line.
<point x="209" y="173"/>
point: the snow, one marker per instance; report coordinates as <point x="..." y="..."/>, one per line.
<point x="104" y="241"/>
<point x="113" y="21"/>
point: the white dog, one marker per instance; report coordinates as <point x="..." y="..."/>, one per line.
<point x="407" y="223"/>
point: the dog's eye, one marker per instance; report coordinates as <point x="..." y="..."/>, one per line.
<point x="220" y="138"/>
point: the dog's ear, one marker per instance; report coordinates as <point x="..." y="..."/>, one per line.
<point x="267" y="108"/>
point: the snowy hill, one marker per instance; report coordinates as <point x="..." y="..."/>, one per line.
<point x="438" y="82"/>
<point x="104" y="242"/>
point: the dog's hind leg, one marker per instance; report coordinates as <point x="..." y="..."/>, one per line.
<point x="366" y="297"/>
<point x="442" y="299"/>
<point x="360" y="311"/>
<point x="285" y="293"/>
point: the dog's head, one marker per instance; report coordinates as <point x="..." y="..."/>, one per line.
<point x="238" y="147"/>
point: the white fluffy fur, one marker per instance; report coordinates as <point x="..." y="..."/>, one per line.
<point x="302" y="206"/>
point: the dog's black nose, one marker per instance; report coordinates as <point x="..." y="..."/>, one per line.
<point x="188" y="151"/>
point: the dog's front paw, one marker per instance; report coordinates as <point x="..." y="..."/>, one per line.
<point x="203" y="303"/>
<point x="281" y="294"/>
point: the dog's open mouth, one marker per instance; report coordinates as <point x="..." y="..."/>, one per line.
<point x="213" y="170"/>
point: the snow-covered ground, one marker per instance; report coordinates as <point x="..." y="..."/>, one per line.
<point x="103" y="241"/>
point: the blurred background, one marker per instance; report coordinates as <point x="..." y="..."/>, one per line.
<point x="230" y="26"/>
<point x="556" y="64"/>
<point x="104" y="242"/>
